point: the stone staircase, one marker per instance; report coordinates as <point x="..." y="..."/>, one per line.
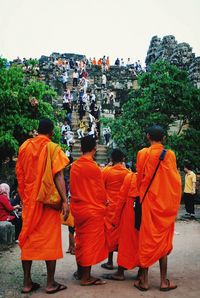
<point x="94" y="77"/>
<point x="101" y="155"/>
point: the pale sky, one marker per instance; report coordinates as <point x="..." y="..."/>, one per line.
<point x="115" y="28"/>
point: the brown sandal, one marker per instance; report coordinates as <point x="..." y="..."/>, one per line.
<point x="95" y="282"/>
<point x="169" y="287"/>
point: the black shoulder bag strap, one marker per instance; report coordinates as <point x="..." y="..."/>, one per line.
<point x="162" y="156"/>
<point x="138" y="203"/>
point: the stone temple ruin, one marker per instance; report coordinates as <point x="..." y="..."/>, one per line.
<point x="179" y="54"/>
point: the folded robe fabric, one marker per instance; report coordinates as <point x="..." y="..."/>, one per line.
<point x="88" y="206"/>
<point x="40" y="238"/>
<point x="113" y="177"/>
<point x="161" y="204"/>
<point x="124" y="218"/>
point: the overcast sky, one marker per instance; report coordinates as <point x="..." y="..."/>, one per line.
<point x="117" y="28"/>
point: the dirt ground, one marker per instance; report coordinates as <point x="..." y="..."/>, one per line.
<point x="184" y="269"/>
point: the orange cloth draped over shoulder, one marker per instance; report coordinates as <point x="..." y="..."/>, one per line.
<point x="40" y="238"/>
<point x="113" y="177"/>
<point x="88" y="206"/>
<point x="108" y="63"/>
<point x="161" y="204"/>
<point x="125" y="218"/>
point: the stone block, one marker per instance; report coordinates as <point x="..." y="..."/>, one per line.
<point x="7" y="233"/>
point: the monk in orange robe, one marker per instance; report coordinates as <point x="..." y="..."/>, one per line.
<point x="159" y="208"/>
<point x="94" y="62"/>
<point x="40" y="177"/>
<point x="124" y="219"/>
<point x="88" y="206"/>
<point x="113" y="177"/>
<point x="107" y="63"/>
<point x="100" y="62"/>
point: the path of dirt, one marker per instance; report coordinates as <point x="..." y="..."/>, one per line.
<point x="184" y="269"/>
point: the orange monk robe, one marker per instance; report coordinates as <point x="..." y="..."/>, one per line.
<point x="100" y="62"/>
<point x="113" y="177"/>
<point x="40" y="238"/>
<point x="124" y="218"/>
<point x="94" y="62"/>
<point x="161" y="204"/>
<point x="108" y="63"/>
<point x="88" y="206"/>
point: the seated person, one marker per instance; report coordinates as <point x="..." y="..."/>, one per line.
<point x="81" y="130"/>
<point x="68" y="138"/>
<point x="92" y="130"/>
<point x="7" y="211"/>
<point x="65" y="126"/>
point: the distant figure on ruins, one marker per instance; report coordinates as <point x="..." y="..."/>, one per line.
<point x="65" y="79"/>
<point x="100" y="62"/>
<point x="128" y="63"/>
<point x="103" y="80"/>
<point x="117" y="62"/>
<point x="75" y="76"/>
<point x="111" y="102"/>
<point x="65" y="127"/>
<point x="122" y="62"/>
<point x="40" y="178"/>
<point x="94" y="62"/>
<point x="82" y="129"/>
<point x="107" y="64"/>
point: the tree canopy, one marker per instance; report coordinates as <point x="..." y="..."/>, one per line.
<point x="164" y="97"/>
<point x="23" y="103"/>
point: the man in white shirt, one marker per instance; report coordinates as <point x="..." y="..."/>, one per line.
<point x="65" y="79"/>
<point x="104" y="80"/>
<point x="75" y="76"/>
<point x="65" y="127"/>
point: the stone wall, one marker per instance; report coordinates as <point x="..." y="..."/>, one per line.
<point x="118" y="78"/>
<point x="179" y="54"/>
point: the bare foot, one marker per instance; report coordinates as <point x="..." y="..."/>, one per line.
<point x="28" y="289"/>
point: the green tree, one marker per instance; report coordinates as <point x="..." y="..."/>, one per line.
<point x="164" y="97"/>
<point x="22" y="105"/>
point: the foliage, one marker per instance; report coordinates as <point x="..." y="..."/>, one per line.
<point x="23" y="103"/>
<point x="164" y="97"/>
<point x="186" y="147"/>
<point x="32" y="62"/>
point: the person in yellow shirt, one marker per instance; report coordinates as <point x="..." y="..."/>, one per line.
<point x="82" y="129"/>
<point x="189" y="189"/>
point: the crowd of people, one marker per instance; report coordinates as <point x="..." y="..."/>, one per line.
<point x="99" y="201"/>
<point x="60" y="66"/>
<point x="81" y="99"/>
<point x="84" y="104"/>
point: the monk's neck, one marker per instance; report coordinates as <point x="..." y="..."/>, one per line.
<point x="89" y="154"/>
<point x="117" y="163"/>
<point x="155" y="143"/>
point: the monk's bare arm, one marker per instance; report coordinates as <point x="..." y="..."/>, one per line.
<point x="60" y="185"/>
